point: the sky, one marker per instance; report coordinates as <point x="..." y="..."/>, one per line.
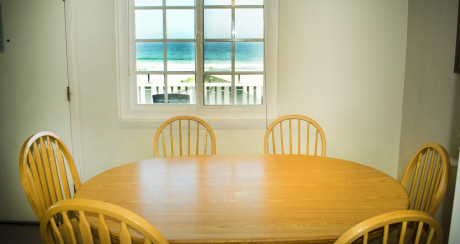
<point x="180" y="23"/>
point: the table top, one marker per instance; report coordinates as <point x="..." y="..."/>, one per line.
<point x="249" y="198"/>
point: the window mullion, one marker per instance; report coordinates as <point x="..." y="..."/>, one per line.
<point x="132" y="75"/>
<point x="199" y="54"/>
<point x="233" y="102"/>
<point x="165" y="58"/>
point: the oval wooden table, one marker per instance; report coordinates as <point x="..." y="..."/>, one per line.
<point x="249" y="199"/>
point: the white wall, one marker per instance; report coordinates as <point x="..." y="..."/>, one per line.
<point x="341" y="63"/>
<point x="431" y="108"/>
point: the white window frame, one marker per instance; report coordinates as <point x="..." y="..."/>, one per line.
<point x="134" y="115"/>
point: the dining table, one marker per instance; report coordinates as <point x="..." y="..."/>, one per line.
<point x="249" y="198"/>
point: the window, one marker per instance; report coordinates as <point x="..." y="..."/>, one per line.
<point x="200" y="57"/>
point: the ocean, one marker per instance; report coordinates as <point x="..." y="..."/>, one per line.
<point x="249" y="56"/>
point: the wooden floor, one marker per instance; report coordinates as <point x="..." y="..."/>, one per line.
<point x="20" y="233"/>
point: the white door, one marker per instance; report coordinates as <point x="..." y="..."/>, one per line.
<point x="33" y="82"/>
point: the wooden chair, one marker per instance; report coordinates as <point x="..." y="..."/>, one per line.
<point x="97" y="221"/>
<point x="44" y="165"/>
<point x="393" y="227"/>
<point x="426" y="178"/>
<point x="309" y="135"/>
<point x="183" y="132"/>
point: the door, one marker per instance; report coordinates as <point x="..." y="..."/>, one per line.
<point x="33" y="83"/>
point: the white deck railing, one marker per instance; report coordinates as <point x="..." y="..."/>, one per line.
<point x="214" y="93"/>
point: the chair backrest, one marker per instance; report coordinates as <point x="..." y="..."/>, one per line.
<point x="184" y="135"/>
<point x="406" y="226"/>
<point x="89" y="221"/>
<point x="426" y="178"/>
<point x="295" y="129"/>
<point x="44" y="167"/>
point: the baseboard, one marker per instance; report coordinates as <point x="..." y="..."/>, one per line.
<point x="10" y="222"/>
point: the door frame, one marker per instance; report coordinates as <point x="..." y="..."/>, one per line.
<point x="71" y="79"/>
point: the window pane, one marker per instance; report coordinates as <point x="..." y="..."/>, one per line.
<point x="217" y="23"/>
<point x="148" y="2"/>
<point x="149" y="56"/>
<point x="217" y="56"/>
<point x="249" y="89"/>
<point x="217" y="2"/>
<point x="249" y="56"/>
<point x="180" y="24"/>
<point x="181" y="89"/>
<point x="217" y="90"/>
<point x="149" y="24"/>
<point x="181" y="56"/>
<point x="233" y="67"/>
<point x="148" y="86"/>
<point x="180" y="2"/>
<point x="249" y="2"/>
<point x="249" y="23"/>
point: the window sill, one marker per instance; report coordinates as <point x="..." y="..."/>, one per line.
<point x="216" y="124"/>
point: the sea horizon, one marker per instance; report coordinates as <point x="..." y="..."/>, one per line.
<point x="217" y="56"/>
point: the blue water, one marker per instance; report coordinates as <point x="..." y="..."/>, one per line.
<point x="149" y="51"/>
<point x="219" y="51"/>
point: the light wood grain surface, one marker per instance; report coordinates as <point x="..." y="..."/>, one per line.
<point x="252" y="198"/>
